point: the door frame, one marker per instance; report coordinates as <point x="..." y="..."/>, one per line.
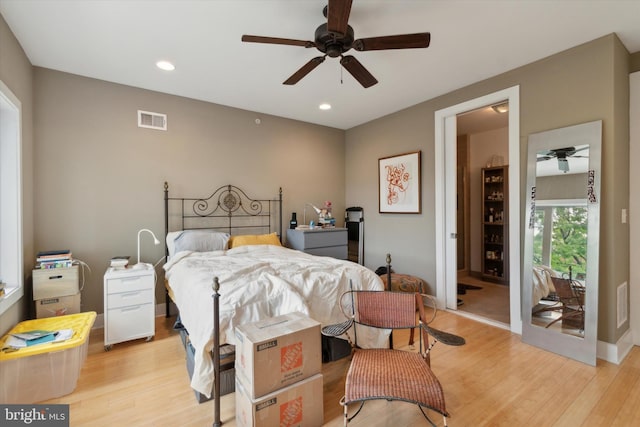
<point x="445" y="200"/>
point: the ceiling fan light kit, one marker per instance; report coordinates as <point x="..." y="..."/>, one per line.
<point x="336" y="37"/>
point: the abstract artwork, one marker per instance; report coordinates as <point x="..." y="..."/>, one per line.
<point x="399" y="183"/>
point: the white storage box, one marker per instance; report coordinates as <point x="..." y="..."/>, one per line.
<point x="55" y="282"/>
<point x="276" y="352"/>
<point x="58" y="306"/>
<point x="299" y="404"/>
<point x="45" y="371"/>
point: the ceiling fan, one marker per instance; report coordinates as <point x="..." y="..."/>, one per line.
<point x="336" y="37"/>
<point x="562" y="154"/>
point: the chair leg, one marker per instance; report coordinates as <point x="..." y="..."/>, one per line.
<point x="429" y="419"/>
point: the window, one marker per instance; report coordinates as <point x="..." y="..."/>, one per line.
<point x="11" y="267"/>
<point x="560" y="237"/>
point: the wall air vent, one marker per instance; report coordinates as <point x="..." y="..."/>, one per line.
<point x="622" y="304"/>
<point x="151" y="120"/>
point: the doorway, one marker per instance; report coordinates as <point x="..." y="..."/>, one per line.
<point x="446" y="202"/>
<point x="483" y="252"/>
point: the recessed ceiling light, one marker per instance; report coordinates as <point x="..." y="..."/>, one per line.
<point x="325" y="106"/>
<point x="165" y="65"/>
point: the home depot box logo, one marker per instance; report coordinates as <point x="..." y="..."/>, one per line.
<point x="291" y="357"/>
<point x="276" y="352"/>
<point x="296" y="405"/>
<point x="291" y="412"/>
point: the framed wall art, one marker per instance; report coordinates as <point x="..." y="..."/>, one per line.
<point x="399" y="183"/>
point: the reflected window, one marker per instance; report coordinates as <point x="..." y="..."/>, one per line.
<point x="560" y="239"/>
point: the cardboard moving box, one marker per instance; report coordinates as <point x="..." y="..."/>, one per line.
<point x="299" y="404"/>
<point x="58" y="306"/>
<point x="276" y="352"/>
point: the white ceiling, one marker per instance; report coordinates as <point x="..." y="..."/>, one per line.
<point x="471" y="40"/>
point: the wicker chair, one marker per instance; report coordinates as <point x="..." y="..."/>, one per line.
<point x="570" y="296"/>
<point x="387" y="373"/>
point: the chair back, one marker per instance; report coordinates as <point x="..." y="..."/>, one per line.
<point x="566" y="292"/>
<point x="380" y="309"/>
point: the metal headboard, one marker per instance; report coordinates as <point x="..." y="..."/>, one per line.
<point x="228" y="209"/>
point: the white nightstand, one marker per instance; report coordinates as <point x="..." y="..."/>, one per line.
<point x="129" y="305"/>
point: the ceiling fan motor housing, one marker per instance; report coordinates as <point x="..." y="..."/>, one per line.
<point x="333" y="44"/>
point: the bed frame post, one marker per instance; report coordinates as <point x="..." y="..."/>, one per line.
<point x="280" y="214"/>
<point x="389" y="288"/>
<point x="216" y="353"/>
<point x="166" y="249"/>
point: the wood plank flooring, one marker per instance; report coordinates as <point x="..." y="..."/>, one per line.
<point x="493" y="380"/>
<point x="490" y="302"/>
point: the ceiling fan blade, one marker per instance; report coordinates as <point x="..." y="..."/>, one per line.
<point x="304" y="70"/>
<point x="357" y="70"/>
<point x="338" y="12"/>
<point x="402" y="41"/>
<point x="277" y="40"/>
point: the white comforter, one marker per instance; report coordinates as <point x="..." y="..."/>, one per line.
<point x="258" y="282"/>
<point x="542" y="283"/>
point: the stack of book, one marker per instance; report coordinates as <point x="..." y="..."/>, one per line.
<point x="54" y="259"/>
<point x="35" y="337"/>
<point x="119" y="262"/>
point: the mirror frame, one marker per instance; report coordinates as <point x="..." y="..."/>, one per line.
<point x="581" y="349"/>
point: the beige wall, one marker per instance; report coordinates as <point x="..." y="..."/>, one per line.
<point x="16" y="73"/>
<point x="99" y="178"/>
<point x="576" y="86"/>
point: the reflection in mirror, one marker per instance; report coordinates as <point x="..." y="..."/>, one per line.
<point x="561" y="241"/>
<point x="559" y="265"/>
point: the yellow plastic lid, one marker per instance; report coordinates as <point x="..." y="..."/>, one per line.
<point x="80" y="323"/>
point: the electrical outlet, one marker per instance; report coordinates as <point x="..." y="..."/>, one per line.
<point x="624" y="216"/>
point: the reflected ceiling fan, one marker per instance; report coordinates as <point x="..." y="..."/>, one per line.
<point x="562" y="154"/>
<point x="336" y="37"/>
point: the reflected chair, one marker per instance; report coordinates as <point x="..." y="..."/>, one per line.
<point x="387" y="373"/>
<point x="570" y="295"/>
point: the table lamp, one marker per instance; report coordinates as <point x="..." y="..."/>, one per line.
<point x="142" y="265"/>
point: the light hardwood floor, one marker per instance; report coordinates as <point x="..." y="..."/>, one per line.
<point x="493" y="380"/>
<point x="490" y="302"/>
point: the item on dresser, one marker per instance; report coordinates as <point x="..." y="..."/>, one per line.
<point x="119" y="262"/>
<point x="54" y="259"/>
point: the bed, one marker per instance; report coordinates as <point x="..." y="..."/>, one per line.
<point x="542" y="283"/>
<point x="238" y="239"/>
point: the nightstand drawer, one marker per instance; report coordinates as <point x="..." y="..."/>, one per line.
<point x="127" y="284"/>
<point x="55" y="282"/>
<point x="323" y="238"/>
<point x="128" y="323"/>
<point x="338" y="252"/>
<point x="130" y="297"/>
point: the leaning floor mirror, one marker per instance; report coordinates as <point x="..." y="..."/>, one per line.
<point x="562" y="223"/>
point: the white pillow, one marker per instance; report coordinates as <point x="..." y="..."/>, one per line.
<point x="171" y="236"/>
<point x="200" y="241"/>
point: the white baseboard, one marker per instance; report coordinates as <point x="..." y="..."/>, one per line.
<point x="615" y="353"/>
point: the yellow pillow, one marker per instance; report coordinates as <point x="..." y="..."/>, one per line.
<point x="254" y="239"/>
